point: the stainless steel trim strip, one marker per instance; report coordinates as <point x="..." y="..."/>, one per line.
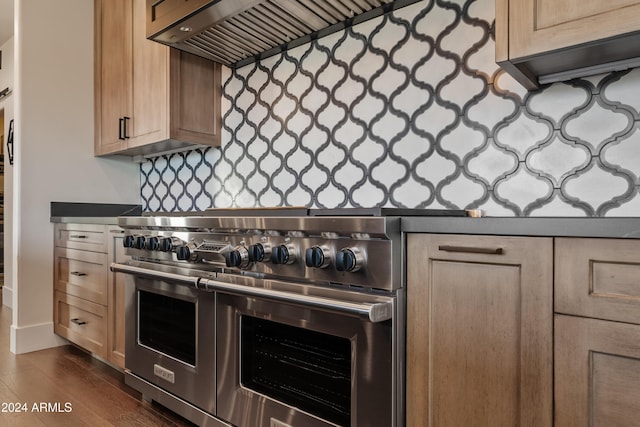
<point x="375" y="312"/>
<point x="373" y="226"/>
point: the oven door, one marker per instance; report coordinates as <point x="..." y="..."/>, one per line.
<point x="288" y="358"/>
<point x="170" y="336"/>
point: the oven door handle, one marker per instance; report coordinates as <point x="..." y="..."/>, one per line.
<point x="153" y="274"/>
<point x="378" y="311"/>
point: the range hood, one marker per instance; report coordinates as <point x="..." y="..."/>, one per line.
<point x="237" y="32"/>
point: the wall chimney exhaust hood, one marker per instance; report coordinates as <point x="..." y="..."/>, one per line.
<point x="237" y="32"/>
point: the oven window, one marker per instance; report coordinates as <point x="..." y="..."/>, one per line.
<point x="302" y="368"/>
<point x="168" y="325"/>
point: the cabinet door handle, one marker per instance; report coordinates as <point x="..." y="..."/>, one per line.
<point x="471" y="249"/>
<point x="126" y="133"/>
<point x="10" y="142"/>
<point x="78" y="321"/>
<point x="121" y="129"/>
<point x="77" y="273"/>
<point x="77" y="236"/>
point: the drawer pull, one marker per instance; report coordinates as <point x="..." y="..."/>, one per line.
<point x="471" y="249"/>
<point x="78" y="321"/>
<point x="78" y="236"/>
<point x="78" y="273"/>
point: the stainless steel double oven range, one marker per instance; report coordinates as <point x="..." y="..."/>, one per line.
<point x="283" y="317"/>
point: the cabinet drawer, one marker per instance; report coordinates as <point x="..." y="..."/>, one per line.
<point x="598" y="278"/>
<point x="81" y="322"/>
<point x="82" y="274"/>
<point x="90" y="237"/>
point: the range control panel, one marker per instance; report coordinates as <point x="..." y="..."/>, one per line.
<point x="362" y="251"/>
<point x="361" y="261"/>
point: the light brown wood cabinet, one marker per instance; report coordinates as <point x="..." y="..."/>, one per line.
<point x="598" y="278"/>
<point x="597" y="379"/>
<point x="82" y="322"/>
<point x="116" y="307"/>
<point x="88" y="297"/>
<point x="542" y="40"/>
<point x="597" y="332"/>
<point x="479" y="331"/>
<point x="149" y="98"/>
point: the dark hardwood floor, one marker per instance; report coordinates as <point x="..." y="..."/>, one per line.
<point x="66" y="387"/>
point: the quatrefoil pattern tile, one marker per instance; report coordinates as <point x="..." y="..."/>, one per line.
<point x="410" y="110"/>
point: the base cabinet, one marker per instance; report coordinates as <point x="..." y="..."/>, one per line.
<point x="479" y="331"/>
<point x="116" y="298"/>
<point x="597" y="373"/>
<point x="88" y="297"/>
<point x="597" y="332"/>
<point x="82" y="322"/>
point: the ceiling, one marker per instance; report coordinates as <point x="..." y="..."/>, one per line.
<point x="6" y="20"/>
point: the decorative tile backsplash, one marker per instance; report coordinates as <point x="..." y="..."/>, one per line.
<point x="410" y="110"/>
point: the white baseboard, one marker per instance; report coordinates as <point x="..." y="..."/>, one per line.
<point x="30" y="338"/>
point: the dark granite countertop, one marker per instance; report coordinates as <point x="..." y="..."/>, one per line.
<point x="92" y="213"/>
<point x="613" y="227"/>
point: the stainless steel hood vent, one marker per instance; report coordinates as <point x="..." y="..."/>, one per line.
<point x="237" y="32"/>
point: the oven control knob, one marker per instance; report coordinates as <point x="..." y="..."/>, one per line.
<point x="238" y="257"/>
<point x="129" y="241"/>
<point x="140" y="242"/>
<point x="349" y="259"/>
<point x="183" y="253"/>
<point x="283" y="254"/>
<point x="318" y="257"/>
<point x="152" y="243"/>
<point x="165" y="244"/>
<point x="259" y="252"/>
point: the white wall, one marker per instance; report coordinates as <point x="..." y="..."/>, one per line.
<point x="6" y="80"/>
<point x="54" y="151"/>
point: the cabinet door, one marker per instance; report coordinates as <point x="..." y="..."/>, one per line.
<point x="597" y="380"/>
<point x="150" y="120"/>
<point x="479" y="331"/>
<point x="132" y="79"/>
<point x="195" y="99"/>
<point x="537" y="26"/>
<point x="112" y="72"/>
<point x="116" y="314"/>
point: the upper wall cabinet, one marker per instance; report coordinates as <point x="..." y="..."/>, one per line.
<point x="541" y="41"/>
<point x="149" y="98"/>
